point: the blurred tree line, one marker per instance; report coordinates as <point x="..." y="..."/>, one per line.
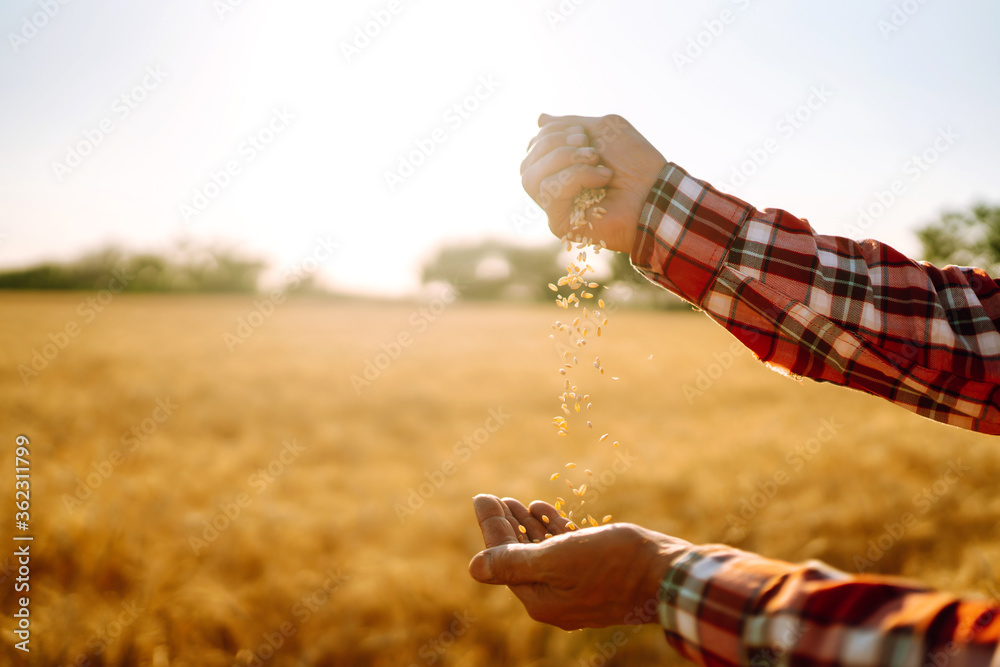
<point x="964" y="238"/>
<point x="498" y="270"/>
<point x="494" y="270"/>
<point x="488" y="270"/>
<point x="186" y="269"/>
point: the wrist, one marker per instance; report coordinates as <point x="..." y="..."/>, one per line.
<point x="638" y="249"/>
<point x="667" y="552"/>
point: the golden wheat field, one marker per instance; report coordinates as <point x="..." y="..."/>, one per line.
<point x="196" y="505"/>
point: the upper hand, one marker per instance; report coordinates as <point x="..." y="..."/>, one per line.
<point x="586" y="578"/>
<point x="570" y="153"/>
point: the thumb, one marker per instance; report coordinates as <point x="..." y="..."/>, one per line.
<point x="506" y="565"/>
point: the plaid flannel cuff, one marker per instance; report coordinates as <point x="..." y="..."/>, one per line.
<point x="685" y="232"/>
<point x="704" y="599"/>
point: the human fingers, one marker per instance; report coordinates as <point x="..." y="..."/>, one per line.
<point x="593" y="126"/>
<point x="554" y="142"/>
<point x="534" y="529"/>
<point x="510" y="564"/>
<point x="566" y="183"/>
<point x="492" y="515"/>
<point x="562" y="157"/>
<point x="549" y="120"/>
<point x="554" y="128"/>
<point x="549" y="516"/>
<point x="515" y="524"/>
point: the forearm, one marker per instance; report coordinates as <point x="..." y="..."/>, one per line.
<point x="724" y="606"/>
<point x="828" y="308"/>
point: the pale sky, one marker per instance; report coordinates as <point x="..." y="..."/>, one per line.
<point x="178" y="91"/>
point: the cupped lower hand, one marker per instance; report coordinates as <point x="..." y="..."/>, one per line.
<point x="583" y="578"/>
<point x="570" y="153"/>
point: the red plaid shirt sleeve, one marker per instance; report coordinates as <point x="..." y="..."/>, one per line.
<point x="832" y="309"/>
<point x="721" y="606"/>
<point x="858" y="314"/>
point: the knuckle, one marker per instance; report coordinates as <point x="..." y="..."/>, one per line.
<point x="565" y="154"/>
<point x="615" y="123"/>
